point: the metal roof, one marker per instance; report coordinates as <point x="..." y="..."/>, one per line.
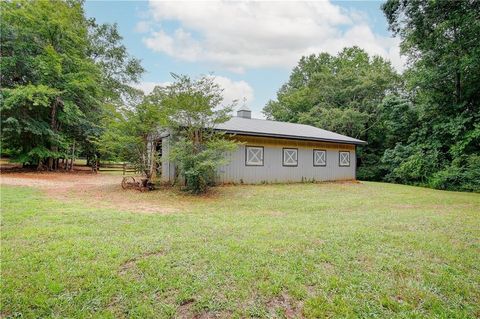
<point x="267" y="128"/>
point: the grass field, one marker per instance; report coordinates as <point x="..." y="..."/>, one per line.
<point x="284" y="251"/>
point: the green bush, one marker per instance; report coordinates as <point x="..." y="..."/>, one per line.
<point x="197" y="164"/>
<point x="194" y="108"/>
<point x="461" y="175"/>
<point x="410" y="164"/>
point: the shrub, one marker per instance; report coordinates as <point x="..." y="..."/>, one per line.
<point x="194" y="108"/>
<point x="460" y="175"/>
<point x="197" y="164"/>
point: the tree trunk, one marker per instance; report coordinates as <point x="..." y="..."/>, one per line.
<point x="53" y="126"/>
<point x="50" y="163"/>
<point x="73" y="156"/>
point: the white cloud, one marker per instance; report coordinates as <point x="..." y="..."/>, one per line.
<point x="232" y="90"/>
<point x="241" y="35"/>
<point x="147" y="87"/>
<point x="142" y="27"/>
<point x="235" y="90"/>
<point x="180" y="44"/>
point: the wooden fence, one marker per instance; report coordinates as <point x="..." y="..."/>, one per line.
<point x="116" y="167"/>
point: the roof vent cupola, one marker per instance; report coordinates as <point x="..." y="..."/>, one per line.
<point x="244" y="112"/>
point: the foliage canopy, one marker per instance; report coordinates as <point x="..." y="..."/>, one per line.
<point x="65" y="87"/>
<point x="193" y="108"/>
<point x="422" y="127"/>
<point x="442" y="42"/>
<point x="59" y="71"/>
<point x="345" y="94"/>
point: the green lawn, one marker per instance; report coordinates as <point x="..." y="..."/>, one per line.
<point x="287" y="251"/>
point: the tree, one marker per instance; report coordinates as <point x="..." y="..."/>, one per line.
<point x="194" y="107"/>
<point x="131" y="134"/>
<point x="442" y="42"/>
<point x="395" y="121"/>
<point x="59" y="71"/>
<point x="342" y="93"/>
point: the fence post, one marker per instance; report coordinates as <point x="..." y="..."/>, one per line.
<point x="124" y="168"/>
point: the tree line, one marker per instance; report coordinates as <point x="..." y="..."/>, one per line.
<point x="61" y="73"/>
<point x="422" y="126"/>
<point x="66" y="90"/>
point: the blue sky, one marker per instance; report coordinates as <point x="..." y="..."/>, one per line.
<point x="250" y="47"/>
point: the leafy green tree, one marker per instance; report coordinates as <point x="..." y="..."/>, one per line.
<point x="194" y="107"/>
<point x="131" y="134"/>
<point x="342" y="93"/>
<point x="396" y="119"/>
<point x="442" y="42"/>
<point x="59" y="72"/>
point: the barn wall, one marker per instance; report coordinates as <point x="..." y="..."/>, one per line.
<point x="273" y="170"/>
<point x="168" y="168"/>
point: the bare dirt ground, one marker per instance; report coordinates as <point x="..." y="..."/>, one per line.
<point x="98" y="190"/>
<point x="103" y="190"/>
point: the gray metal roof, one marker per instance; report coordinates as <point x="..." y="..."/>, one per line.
<point x="257" y="127"/>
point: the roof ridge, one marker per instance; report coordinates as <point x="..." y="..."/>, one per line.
<point x="267" y="120"/>
<point x="290" y="129"/>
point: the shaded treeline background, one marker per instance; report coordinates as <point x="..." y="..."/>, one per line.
<point x="422" y="127"/>
<point x="66" y="90"/>
<point x="61" y="75"/>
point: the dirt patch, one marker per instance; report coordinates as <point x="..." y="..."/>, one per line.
<point x="285" y="305"/>
<point x="327" y="267"/>
<point x="115" y="307"/>
<point x="95" y="190"/>
<point x="366" y="262"/>
<point x="186" y="312"/>
<point x="185" y="309"/>
<point x="53" y="179"/>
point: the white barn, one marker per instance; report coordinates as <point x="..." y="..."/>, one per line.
<point x="280" y="152"/>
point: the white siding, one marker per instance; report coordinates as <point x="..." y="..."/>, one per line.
<point x="274" y="172"/>
<point x="168" y="168"/>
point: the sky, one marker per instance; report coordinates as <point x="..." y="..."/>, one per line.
<point x="249" y="47"/>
